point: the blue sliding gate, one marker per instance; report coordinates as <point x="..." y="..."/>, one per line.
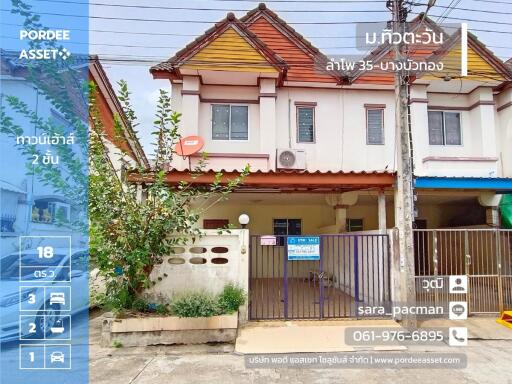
<point x="317" y="277"/>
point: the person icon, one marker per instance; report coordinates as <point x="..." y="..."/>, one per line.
<point x="458" y="284"/>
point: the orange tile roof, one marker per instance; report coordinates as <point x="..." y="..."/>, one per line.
<point x="306" y="63"/>
<point x="229" y="23"/>
<point x="298" y="180"/>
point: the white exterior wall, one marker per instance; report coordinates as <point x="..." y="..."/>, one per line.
<point x="504" y="119"/>
<point x="477" y="156"/>
<point x="340" y="128"/>
<point x="209" y="277"/>
<point x="340" y="125"/>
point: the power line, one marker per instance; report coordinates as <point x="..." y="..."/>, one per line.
<point x="481" y="1"/>
<point x="293" y="23"/>
<point x="215" y="9"/>
<point x="194" y="21"/>
<point x="466" y="19"/>
<point x="474" y="10"/>
<point x="447" y="10"/>
<point x="166" y="47"/>
<point x="172" y="34"/>
<point x="275" y="10"/>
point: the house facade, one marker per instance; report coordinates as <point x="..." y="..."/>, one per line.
<point x="322" y="144"/>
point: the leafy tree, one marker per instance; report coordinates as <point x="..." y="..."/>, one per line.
<point x="129" y="235"/>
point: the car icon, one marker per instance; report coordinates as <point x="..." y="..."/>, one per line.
<point x="57" y="298"/>
<point x="57" y="357"/>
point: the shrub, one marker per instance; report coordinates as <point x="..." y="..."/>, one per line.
<point x="162" y="309"/>
<point x="139" y="305"/>
<point x="195" y="304"/>
<point x="231" y="298"/>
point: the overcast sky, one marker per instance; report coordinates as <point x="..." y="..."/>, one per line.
<point x="129" y="54"/>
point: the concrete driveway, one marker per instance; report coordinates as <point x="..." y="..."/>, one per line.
<point x="489" y="362"/>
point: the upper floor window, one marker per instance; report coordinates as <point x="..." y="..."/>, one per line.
<point x="444" y="128"/>
<point x="375" y="126"/>
<point x="230" y="122"/>
<point x="305" y="124"/>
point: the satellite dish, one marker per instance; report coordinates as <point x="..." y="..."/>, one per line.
<point x="189" y="145"/>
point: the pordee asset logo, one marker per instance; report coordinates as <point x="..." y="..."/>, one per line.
<point x="45" y="53"/>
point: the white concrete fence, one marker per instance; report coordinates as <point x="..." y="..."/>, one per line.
<point x="212" y="261"/>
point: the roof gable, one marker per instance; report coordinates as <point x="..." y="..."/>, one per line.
<point x="483" y="65"/>
<point x="230" y="52"/>
<point x="306" y="63"/>
<point x="227" y="46"/>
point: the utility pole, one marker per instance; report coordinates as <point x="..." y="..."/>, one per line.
<point x="404" y="206"/>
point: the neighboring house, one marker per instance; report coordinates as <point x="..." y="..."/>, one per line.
<point x="322" y="145"/>
<point x="124" y="151"/>
<point x="29" y="206"/>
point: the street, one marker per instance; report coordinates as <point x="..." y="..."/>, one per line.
<point x="488" y="362"/>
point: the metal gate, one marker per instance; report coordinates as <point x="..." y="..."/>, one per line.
<point x="352" y="269"/>
<point x="484" y="255"/>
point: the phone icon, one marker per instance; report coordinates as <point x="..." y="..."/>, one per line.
<point x="458" y="336"/>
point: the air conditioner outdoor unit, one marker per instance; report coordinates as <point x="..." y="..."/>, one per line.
<point x="291" y="159"/>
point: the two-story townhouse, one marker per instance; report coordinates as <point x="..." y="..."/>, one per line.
<point x="256" y="92"/>
<point x="322" y="149"/>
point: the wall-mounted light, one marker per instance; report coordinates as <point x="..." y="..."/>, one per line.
<point x="243" y="219"/>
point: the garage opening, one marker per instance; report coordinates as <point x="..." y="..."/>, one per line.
<point x="317" y="276"/>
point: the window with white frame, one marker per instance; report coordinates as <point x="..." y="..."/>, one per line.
<point x="305" y="124"/>
<point x="230" y="122"/>
<point x="374" y="126"/>
<point x="444" y="128"/>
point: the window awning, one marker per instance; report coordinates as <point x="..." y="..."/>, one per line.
<point x="488" y="183"/>
<point x="282" y="181"/>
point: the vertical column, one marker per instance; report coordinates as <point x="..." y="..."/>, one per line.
<point x="482" y="121"/>
<point x="267" y="99"/>
<point x="341" y="217"/>
<point x="381" y="202"/>
<point x="190" y="104"/>
<point x="419" y="124"/>
<point x="504" y="138"/>
<point x="341" y="203"/>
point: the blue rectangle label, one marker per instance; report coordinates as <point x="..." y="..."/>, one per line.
<point x="303" y="248"/>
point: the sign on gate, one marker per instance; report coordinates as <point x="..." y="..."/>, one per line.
<point x="268" y="240"/>
<point x="303" y="248"/>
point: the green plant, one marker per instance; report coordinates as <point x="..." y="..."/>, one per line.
<point x="129" y="236"/>
<point x="231" y="298"/>
<point x="195" y="304"/>
<point x="162" y="309"/>
<point x="117" y="344"/>
<point x="139" y="305"/>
